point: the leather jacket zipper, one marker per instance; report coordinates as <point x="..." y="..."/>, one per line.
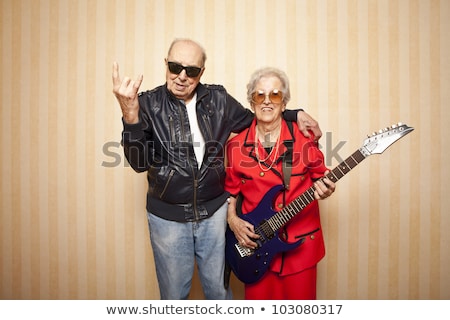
<point x="194" y="205"/>
<point x="171" y="173"/>
<point x="172" y="128"/>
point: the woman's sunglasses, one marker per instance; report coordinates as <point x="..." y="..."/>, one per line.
<point x="275" y="96"/>
<point x="176" y="68"/>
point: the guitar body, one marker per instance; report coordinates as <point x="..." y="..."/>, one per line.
<point x="249" y="268"/>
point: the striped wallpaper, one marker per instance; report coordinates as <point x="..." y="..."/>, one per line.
<point x="72" y="212"/>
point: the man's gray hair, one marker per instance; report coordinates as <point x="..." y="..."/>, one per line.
<point x="191" y="41"/>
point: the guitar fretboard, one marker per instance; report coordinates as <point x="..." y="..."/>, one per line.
<point x="301" y="202"/>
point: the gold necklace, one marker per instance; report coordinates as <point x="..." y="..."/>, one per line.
<point x="274" y="158"/>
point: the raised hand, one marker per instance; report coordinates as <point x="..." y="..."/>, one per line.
<point x="126" y="92"/>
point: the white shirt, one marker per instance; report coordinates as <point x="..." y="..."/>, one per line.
<point x="197" y="137"/>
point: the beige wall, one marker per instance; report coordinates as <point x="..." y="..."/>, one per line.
<point x="72" y="224"/>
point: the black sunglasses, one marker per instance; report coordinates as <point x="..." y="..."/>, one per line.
<point x="176" y="68"/>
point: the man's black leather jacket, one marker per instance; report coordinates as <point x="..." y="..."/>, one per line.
<point x="161" y="144"/>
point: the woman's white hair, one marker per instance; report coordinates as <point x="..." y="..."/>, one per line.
<point x="269" y="72"/>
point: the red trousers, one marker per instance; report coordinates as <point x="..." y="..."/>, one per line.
<point x="298" y="286"/>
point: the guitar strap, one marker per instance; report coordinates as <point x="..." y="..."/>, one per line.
<point x="287" y="159"/>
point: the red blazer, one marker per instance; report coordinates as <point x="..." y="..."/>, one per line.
<point x="246" y="176"/>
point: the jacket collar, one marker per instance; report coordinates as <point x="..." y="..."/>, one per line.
<point x="201" y="91"/>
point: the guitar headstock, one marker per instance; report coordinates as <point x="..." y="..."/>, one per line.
<point x="381" y="140"/>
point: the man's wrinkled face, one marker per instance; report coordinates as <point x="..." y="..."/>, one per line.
<point x="186" y="54"/>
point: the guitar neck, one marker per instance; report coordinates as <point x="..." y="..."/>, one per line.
<point x="287" y="213"/>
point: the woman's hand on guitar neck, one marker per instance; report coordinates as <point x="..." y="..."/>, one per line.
<point x="324" y="187"/>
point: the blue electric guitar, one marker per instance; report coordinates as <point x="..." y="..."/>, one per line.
<point x="249" y="265"/>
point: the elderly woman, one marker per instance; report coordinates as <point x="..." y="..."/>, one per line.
<point x="255" y="165"/>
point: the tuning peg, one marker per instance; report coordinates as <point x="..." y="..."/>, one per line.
<point x="394" y="126"/>
<point x="399" y="124"/>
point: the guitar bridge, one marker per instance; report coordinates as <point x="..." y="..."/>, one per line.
<point x="244" y="251"/>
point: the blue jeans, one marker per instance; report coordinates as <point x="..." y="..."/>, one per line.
<point x="176" y="246"/>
